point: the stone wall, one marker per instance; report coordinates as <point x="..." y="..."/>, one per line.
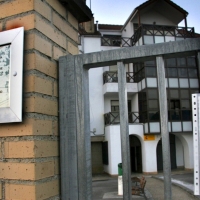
<point x="29" y="151"/>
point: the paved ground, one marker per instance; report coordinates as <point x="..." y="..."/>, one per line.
<point x="106" y="187"/>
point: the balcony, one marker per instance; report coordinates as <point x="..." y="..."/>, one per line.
<point x="116" y="41"/>
<point x="114" y="118"/>
<point x="112" y="77"/>
<point x="169" y="33"/>
<point x="110" y="81"/>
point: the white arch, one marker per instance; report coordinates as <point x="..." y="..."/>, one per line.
<point x="187" y="142"/>
<point x="149" y="157"/>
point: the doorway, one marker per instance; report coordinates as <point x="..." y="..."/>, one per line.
<point x="172" y="153"/>
<point x="135" y="154"/>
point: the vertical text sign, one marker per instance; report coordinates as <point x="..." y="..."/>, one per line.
<point x="196" y="140"/>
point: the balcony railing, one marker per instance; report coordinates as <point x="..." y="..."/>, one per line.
<point x="115" y="41"/>
<point x="114" y="118"/>
<point x="112" y="77"/>
<point x="146" y="29"/>
<point x="158" y="30"/>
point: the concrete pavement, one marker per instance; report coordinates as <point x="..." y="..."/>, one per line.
<point x="106" y="187"/>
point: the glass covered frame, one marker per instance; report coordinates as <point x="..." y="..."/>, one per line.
<point x="12" y="70"/>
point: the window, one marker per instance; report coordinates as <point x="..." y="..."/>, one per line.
<point x="159" y="39"/>
<point x="172" y="72"/>
<point x="150" y="71"/>
<point x="181" y="62"/>
<point x="114" y="106"/>
<point x="148" y="39"/>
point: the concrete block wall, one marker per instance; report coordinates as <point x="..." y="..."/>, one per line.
<point x="29" y="151"/>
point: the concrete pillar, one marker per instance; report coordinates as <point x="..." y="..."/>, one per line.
<point x="74" y="130"/>
<point x="124" y="131"/>
<point x="164" y="126"/>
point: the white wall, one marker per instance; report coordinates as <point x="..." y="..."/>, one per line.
<point x="149" y="159"/>
<point x="149" y="156"/>
<point x="112" y="135"/>
<point x="187" y="142"/>
<point x="113" y="87"/>
<point x="128" y="30"/>
<point x="93" y="44"/>
<point x="152" y="16"/>
<point x="109" y="32"/>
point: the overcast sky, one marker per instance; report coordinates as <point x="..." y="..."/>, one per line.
<point x="117" y="11"/>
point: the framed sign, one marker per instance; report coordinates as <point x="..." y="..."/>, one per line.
<point x="11" y="75"/>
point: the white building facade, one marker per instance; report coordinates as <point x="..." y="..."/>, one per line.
<point x="149" y="23"/>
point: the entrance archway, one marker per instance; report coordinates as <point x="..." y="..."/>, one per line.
<point x="172" y="153"/>
<point x="135" y="154"/>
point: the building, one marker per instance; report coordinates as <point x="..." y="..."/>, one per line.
<point x="149" y="23"/>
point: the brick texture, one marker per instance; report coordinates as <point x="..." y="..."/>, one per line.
<point x="1" y="26"/>
<point x="14" y="7"/>
<point x="0" y="150"/>
<point x="47" y="189"/>
<point x="19" y="6"/>
<point x="47" y="29"/>
<point x="26" y="171"/>
<point x="72" y="48"/>
<point x="55" y="88"/>
<point x="27" y="127"/>
<point x="43" y="9"/>
<point x="57" y="52"/>
<point x="28" y="22"/>
<point x="44" y="65"/>
<point x="41" y="105"/>
<point x="13" y="190"/>
<point x="30" y="149"/>
<point x="33" y="41"/>
<point x="64" y="27"/>
<point x="37" y="84"/>
<point x="39" y="192"/>
<point x="72" y="20"/>
<point x="58" y="7"/>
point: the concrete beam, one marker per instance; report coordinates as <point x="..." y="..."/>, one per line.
<point x="130" y="54"/>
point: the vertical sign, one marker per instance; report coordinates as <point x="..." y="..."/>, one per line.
<point x="196" y="140"/>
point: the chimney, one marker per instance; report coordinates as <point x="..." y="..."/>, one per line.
<point x="97" y="25"/>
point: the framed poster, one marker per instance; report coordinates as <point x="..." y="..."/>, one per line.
<point x="11" y="75"/>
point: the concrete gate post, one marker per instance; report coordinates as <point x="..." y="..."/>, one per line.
<point x="124" y="131"/>
<point x="74" y="129"/>
<point x="164" y="127"/>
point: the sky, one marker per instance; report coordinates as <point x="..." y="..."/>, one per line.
<point x="118" y="11"/>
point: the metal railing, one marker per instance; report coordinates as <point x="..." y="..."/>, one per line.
<point x="147" y="29"/>
<point x="159" y="30"/>
<point x="114" y="118"/>
<point x="115" y="41"/>
<point x="112" y="77"/>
